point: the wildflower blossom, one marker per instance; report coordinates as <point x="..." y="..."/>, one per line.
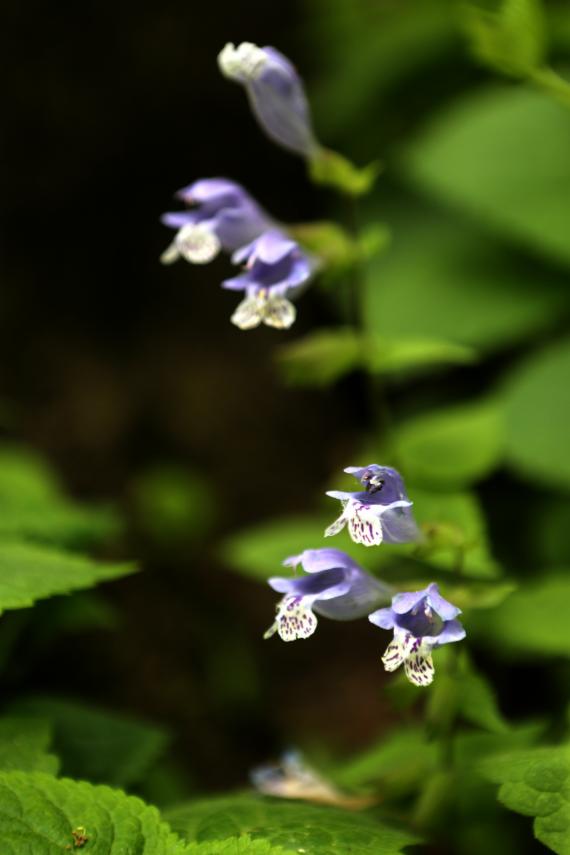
<point x="336" y="587"/>
<point x="223" y="216"/>
<point x="276" y="268"/>
<point x="379" y="512"/>
<point x="422" y="621"/>
<point x="276" y="94"/>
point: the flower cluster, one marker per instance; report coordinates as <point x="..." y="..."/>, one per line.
<point x="222" y="216"/>
<point x="338" y="588"/>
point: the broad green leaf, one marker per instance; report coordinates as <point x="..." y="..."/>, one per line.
<point x="510" y="40"/>
<point x="32" y="506"/>
<point x="234" y="846"/>
<point x="535" y="783"/>
<point x="537" y="412"/>
<point x="444" y="280"/>
<point x="533" y="619"/>
<point x="97" y="745"/>
<point x="293" y="826"/>
<point x="333" y="169"/>
<point x="29" y="573"/>
<point x="502" y="156"/>
<point x="451" y="447"/>
<point x="324" y="356"/>
<point x="396" y="764"/>
<point x="42" y="815"/>
<point x="476" y="699"/>
<point x="24" y="745"/>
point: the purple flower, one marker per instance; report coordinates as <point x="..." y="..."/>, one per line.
<point x="223" y="216"/>
<point x="275" y="268"/>
<point x="336" y="587"/>
<point x="422" y="621"/>
<point x="379" y="512"/>
<point x="275" y="92"/>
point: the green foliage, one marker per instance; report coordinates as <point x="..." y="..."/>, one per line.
<point x="324" y="356"/>
<point x="293" y="826"/>
<point x="29" y="573"/>
<point x="535" y="783"/>
<point x="534" y="619"/>
<point x="502" y="156"/>
<point x="477" y="702"/>
<point x="24" y="745"/>
<point x="333" y="169"/>
<point x="451" y="447"/>
<point x="442" y="279"/>
<point x="511" y="40"/>
<point x="537" y="405"/>
<point x="32" y="506"/>
<point x="234" y="846"/>
<point x="97" y="745"/>
<point x="39" y="815"/>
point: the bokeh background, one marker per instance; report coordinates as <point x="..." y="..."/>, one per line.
<point x="128" y="377"/>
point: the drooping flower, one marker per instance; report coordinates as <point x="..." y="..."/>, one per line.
<point x="336" y="587"/>
<point x="380" y="512"/>
<point x="222" y="216"/>
<point x="275" y="92"/>
<point x="275" y="269"/>
<point x="422" y="621"/>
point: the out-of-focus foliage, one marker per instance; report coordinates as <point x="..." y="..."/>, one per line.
<point x="25" y="744"/>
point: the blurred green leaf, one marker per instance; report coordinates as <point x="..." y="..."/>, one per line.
<point x="32" y="506"/>
<point x="324" y="356"/>
<point x="24" y="745"/>
<point x="537" y="407"/>
<point x="451" y="447"/>
<point x="512" y="39"/>
<point x="38" y="814"/>
<point x="244" y="845"/>
<point x="32" y="572"/>
<point x="396" y="764"/>
<point x="293" y="826"/>
<point x="333" y="169"/>
<point x="477" y="701"/>
<point x="95" y="744"/>
<point x="444" y="280"/>
<point x="534" y="619"/>
<point x="535" y="783"/>
<point x="502" y="155"/>
<point x="479" y="595"/>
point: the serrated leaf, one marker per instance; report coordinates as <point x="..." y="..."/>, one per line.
<point x="510" y="40"/>
<point x="443" y="279"/>
<point x="95" y="744"/>
<point x="44" y="816"/>
<point x="451" y="447"/>
<point x="29" y="573"/>
<point x="502" y="156"/>
<point x="533" y="619"/>
<point x="33" y="507"/>
<point x="535" y="783"/>
<point x="335" y="170"/>
<point x="24" y="746"/>
<point x="537" y="411"/>
<point x="293" y="826"/>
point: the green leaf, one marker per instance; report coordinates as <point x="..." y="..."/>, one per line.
<point x="533" y="619"/>
<point x="511" y="40"/>
<point x="32" y="506"/>
<point x="535" y="783"/>
<point x="293" y="826"/>
<point x="39" y="814"/>
<point x="502" y="156"/>
<point x="476" y="699"/>
<point x="333" y="169"/>
<point x="451" y="447"/>
<point x="234" y="846"/>
<point x="537" y="412"/>
<point x="397" y="763"/>
<point x="444" y="280"/>
<point x="95" y="744"/>
<point x="24" y="746"/>
<point x="29" y="573"/>
<point x="324" y="356"/>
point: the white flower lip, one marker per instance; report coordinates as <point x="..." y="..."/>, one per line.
<point x="197" y="243"/>
<point x="243" y="63"/>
